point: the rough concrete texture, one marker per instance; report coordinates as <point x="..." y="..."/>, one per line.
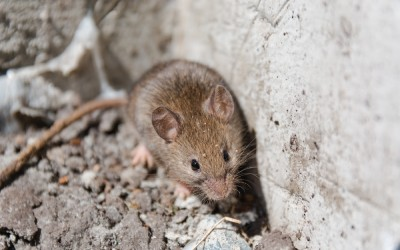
<point x="35" y="31"/>
<point x="319" y="83"/>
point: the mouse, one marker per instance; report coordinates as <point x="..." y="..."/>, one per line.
<point x="187" y="119"/>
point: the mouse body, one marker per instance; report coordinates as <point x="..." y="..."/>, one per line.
<point x="187" y="119"/>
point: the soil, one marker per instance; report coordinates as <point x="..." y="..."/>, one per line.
<point x="81" y="192"/>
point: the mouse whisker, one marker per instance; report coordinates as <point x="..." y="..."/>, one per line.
<point x="239" y="181"/>
<point x="245" y="173"/>
<point x="237" y="191"/>
<point x="239" y="184"/>
<point x="249" y="144"/>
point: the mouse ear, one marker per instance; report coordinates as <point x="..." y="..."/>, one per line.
<point x="220" y="103"/>
<point x="166" y="123"/>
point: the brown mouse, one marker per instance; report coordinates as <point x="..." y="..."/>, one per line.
<point x="188" y="120"/>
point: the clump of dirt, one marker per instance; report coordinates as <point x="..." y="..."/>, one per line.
<point x="81" y="192"/>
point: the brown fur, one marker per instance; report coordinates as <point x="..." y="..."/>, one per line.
<point x="183" y="87"/>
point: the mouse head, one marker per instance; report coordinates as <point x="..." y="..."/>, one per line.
<point x="207" y="143"/>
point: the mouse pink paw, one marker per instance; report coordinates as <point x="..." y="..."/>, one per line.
<point x="142" y="156"/>
<point x="181" y="191"/>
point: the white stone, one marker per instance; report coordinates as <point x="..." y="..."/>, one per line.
<point x="88" y="177"/>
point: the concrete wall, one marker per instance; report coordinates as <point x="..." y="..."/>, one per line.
<point x="320" y="84"/>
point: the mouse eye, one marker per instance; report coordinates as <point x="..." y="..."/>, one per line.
<point x="195" y="165"/>
<point x="225" y="155"/>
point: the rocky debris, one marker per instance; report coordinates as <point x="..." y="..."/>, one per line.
<point x="4" y="242"/>
<point x="132" y="177"/>
<point x="108" y="121"/>
<point x="274" y="241"/>
<point x="76" y="164"/>
<point x="224" y="236"/>
<point x="180" y="216"/>
<point x="75" y="129"/>
<point x="142" y="201"/>
<point x="73" y="220"/>
<point x="113" y="215"/>
<point x="17" y="217"/>
<point x="190" y="202"/>
<point x="32" y="102"/>
<point x="81" y="192"/>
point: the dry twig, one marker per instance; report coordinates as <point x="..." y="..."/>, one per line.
<point x="213" y="227"/>
<point x="17" y="165"/>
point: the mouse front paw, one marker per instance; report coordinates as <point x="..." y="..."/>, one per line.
<point x="142" y="156"/>
<point x="182" y="191"/>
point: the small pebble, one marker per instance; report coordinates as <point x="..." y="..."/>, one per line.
<point x="4" y="243"/>
<point x="183" y="239"/>
<point x="53" y="189"/>
<point x="87" y="177"/>
<point x="113" y="215"/>
<point x="204" y="209"/>
<point x="100" y="198"/>
<point x="108" y="120"/>
<point x="76" y="164"/>
<point x="180" y="216"/>
<point x="75" y="129"/>
<point x="133" y="176"/>
<point x="57" y="155"/>
<point x="143" y="200"/>
<point x="97" y="185"/>
<point x="119" y="191"/>
<point x="155" y="183"/>
<point x="63" y="180"/>
<point x="188" y="203"/>
<point x="13" y="238"/>
<point x="224" y="237"/>
<point x="172" y="235"/>
<point x="112" y="176"/>
<point x="75" y="142"/>
<point x="44" y="165"/>
<point x="247" y="217"/>
<point x="274" y="240"/>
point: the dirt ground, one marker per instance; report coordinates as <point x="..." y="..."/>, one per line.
<point x="81" y="192"/>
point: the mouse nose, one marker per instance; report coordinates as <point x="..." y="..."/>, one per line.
<point x="218" y="188"/>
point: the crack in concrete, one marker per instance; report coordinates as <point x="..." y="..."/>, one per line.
<point x="281" y="13"/>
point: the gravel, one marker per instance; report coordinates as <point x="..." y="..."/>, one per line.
<point x="81" y="192"/>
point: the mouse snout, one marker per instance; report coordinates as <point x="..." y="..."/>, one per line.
<point x="218" y="189"/>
